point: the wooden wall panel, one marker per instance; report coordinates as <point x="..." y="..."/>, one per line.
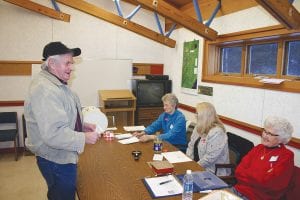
<point x="16" y="68"/>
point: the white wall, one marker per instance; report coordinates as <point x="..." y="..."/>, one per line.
<point x="250" y="105"/>
<point x="107" y="50"/>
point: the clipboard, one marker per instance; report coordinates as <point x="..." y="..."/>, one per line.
<point x="163" y="186"/>
<point x="204" y="180"/>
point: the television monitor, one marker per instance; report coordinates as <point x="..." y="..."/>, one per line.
<point x="150" y="92"/>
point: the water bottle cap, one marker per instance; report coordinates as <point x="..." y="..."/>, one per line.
<point x="188" y="171"/>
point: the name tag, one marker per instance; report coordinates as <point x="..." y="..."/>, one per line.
<point x="273" y="158"/>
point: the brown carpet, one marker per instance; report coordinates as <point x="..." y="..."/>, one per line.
<point x="21" y="180"/>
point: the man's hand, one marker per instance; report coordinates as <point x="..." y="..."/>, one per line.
<point x="89" y="127"/>
<point x="91" y="137"/>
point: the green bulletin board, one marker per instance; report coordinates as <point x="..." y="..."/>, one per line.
<point x="190" y="64"/>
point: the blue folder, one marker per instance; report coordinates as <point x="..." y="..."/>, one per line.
<point x="204" y="180"/>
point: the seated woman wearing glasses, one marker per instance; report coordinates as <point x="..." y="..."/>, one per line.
<point x="172" y="123"/>
<point x="209" y="144"/>
<point x="265" y="172"/>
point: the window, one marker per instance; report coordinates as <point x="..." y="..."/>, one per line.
<point x="244" y="58"/>
<point x="262" y="58"/>
<point x="231" y="59"/>
<point x="292" y="59"/>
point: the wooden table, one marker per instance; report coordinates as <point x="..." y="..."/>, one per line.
<point x="107" y="171"/>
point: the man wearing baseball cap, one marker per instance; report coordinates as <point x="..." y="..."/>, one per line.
<point x="56" y="134"/>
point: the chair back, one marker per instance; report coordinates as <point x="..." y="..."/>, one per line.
<point x="8" y="117"/>
<point x="189" y="130"/>
<point x="238" y="147"/>
<point x="9" y="129"/>
<point x="293" y="191"/>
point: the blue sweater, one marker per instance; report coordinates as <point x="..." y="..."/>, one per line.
<point x="173" y="128"/>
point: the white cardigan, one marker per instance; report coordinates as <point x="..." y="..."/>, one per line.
<point x="212" y="149"/>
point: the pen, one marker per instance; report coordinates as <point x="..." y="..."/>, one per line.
<point x="164" y="182"/>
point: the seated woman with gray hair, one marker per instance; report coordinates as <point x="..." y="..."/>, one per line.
<point x="172" y="123"/>
<point x="265" y="172"/>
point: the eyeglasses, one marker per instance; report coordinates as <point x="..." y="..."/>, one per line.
<point x="269" y="133"/>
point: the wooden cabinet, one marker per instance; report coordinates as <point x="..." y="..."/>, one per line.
<point x="146" y="115"/>
<point x="119" y="105"/>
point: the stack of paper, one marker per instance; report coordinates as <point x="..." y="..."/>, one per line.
<point x="176" y="157"/>
<point x="272" y="80"/>
<point x="123" y="136"/>
<point x="134" y="128"/>
<point x="129" y="140"/>
<point x="220" y="195"/>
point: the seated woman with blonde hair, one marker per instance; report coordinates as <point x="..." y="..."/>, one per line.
<point x="209" y="144"/>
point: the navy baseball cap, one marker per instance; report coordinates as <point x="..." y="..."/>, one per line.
<point x="58" y="48"/>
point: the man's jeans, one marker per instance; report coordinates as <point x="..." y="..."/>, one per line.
<point x="60" y="178"/>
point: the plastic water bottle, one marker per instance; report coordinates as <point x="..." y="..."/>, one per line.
<point x="187" y="193"/>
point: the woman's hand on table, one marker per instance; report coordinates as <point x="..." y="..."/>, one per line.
<point x="146" y="138"/>
<point x="138" y="134"/>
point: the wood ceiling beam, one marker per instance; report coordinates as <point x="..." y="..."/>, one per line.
<point x="177" y="16"/>
<point x="41" y="9"/>
<point x="283" y="11"/>
<point x="207" y="7"/>
<point x="117" y="20"/>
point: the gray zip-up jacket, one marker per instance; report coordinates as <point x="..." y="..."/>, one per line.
<point x="212" y="149"/>
<point x="50" y="112"/>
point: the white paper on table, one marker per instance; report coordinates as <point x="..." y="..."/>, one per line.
<point x="123" y="136"/>
<point x="129" y="140"/>
<point x="134" y="128"/>
<point x="171" y="187"/>
<point x="158" y="157"/>
<point x="176" y="157"/>
<point x="111" y="129"/>
<point x="221" y="195"/>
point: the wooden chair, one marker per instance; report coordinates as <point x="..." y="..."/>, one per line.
<point x="9" y="130"/>
<point x="238" y="148"/>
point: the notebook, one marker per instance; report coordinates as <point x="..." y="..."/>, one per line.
<point x="204" y="180"/>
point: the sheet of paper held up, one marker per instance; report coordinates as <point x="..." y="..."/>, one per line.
<point x="176" y="157"/>
<point x="129" y="140"/>
<point x="134" y="128"/>
<point x="164" y="186"/>
<point x="272" y="80"/>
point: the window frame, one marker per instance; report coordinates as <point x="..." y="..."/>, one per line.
<point x="284" y="60"/>
<point x="219" y="65"/>
<point x="211" y="58"/>
<point x="261" y="43"/>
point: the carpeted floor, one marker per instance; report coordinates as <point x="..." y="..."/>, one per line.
<point x="21" y="180"/>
